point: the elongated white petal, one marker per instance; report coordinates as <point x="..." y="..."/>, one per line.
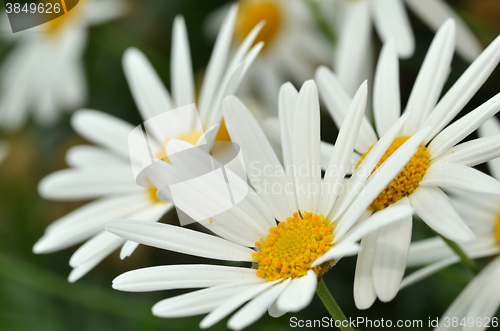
<point x="201" y="301"/>
<point x="392" y="22"/>
<point x="298" y="294"/>
<point x="233" y="303"/>
<point x="426" y="271"/>
<point x="253" y="310"/>
<point x="435" y="208"/>
<point x="286" y="111"/>
<point x="391" y="252"/>
<point x="92" y="156"/>
<point x="460" y="129"/>
<point x="180" y="68"/>
<point x="306" y="155"/>
<point x="337" y="102"/>
<point x="489" y="128"/>
<point x="103" y="243"/>
<point x="88" y="183"/>
<point x="435" y="13"/>
<point x="460" y="177"/>
<point x="262" y="165"/>
<point x="103" y="129"/>
<point x="83" y="269"/>
<point x="180" y="276"/>
<point x="180" y="240"/>
<point x="386" y="95"/>
<point x="353" y="45"/>
<point x="464" y="88"/>
<point x="474" y="152"/>
<point x="431" y="78"/>
<point x="364" y="291"/>
<point x="215" y="67"/>
<point x="150" y="95"/>
<point x="342" y="152"/>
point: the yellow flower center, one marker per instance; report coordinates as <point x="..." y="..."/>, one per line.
<point x="252" y="12"/>
<point x="406" y="181"/>
<point x="291" y="248"/>
<point x="57" y="24"/>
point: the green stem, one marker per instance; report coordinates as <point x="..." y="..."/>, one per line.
<point x="331" y="305"/>
<point x="465" y="259"/>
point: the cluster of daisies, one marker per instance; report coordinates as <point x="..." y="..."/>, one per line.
<point x="358" y="197"/>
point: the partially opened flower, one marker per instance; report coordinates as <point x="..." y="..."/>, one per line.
<point x="439" y="161"/>
<point x="391" y="22"/>
<point x="103" y="172"/>
<point x="44" y="72"/>
<point x="294" y="46"/>
<point x="285" y="226"/>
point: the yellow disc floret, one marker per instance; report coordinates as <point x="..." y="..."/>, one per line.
<point x="497" y="228"/>
<point x="406" y="181"/>
<point x="252" y="12"/>
<point x="291" y="248"/>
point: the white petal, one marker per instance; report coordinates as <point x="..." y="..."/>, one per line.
<point x="262" y="165"/>
<point x="103" y="243"/>
<point x="460" y="177"/>
<point x="83" y="269"/>
<point x="298" y="294"/>
<point x="431" y="78"/>
<point x="103" y="129"/>
<point x="253" y="310"/>
<point x="180" y="276"/>
<point x="464" y="88"/>
<point x="180" y="240"/>
<point x="180" y="65"/>
<point x="489" y="128"/>
<point x="92" y="156"/>
<point x="460" y="129"/>
<point x="88" y="183"/>
<point x="306" y="155"/>
<point x="286" y="111"/>
<point x="386" y="95"/>
<point x="201" y="301"/>
<point x="392" y="22"/>
<point x="343" y="150"/>
<point x="364" y="292"/>
<point x="435" y="13"/>
<point x="427" y="271"/>
<point x="353" y="44"/>
<point x="435" y="208"/>
<point x="233" y="303"/>
<point x="391" y="251"/>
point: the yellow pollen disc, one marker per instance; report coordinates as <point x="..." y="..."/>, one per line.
<point x="62" y="21"/>
<point x="406" y="181"/>
<point x="497" y="228"/>
<point x="252" y="12"/>
<point x="291" y="248"/>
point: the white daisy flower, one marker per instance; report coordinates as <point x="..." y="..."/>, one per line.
<point x="391" y="22"/>
<point x="287" y="226"/>
<point x="103" y="172"/>
<point x="438" y="162"/>
<point x="294" y="46"/>
<point x="44" y="72"/>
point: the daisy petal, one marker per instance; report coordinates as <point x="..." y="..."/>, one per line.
<point x="435" y="208"/>
<point x="201" y="301"/>
<point x="180" y="68"/>
<point x="489" y="128"/>
<point x="464" y="88"/>
<point x="103" y="243"/>
<point x="92" y="156"/>
<point x="286" y="111"/>
<point x="364" y="292"/>
<point x="431" y="78"/>
<point x="233" y="303"/>
<point x="435" y="13"/>
<point x="392" y="22"/>
<point x="427" y="271"/>
<point x="298" y="294"/>
<point x="386" y="95"/>
<point x="179" y="276"/>
<point x="83" y="269"/>
<point x="451" y="175"/>
<point x="254" y="310"/>
<point x="180" y="240"/>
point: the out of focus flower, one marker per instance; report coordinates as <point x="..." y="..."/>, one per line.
<point x="285" y="227"/>
<point x="391" y="22"/>
<point x="103" y="172"/>
<point x="44" y="73"/>
<point x="439" y="162"/>
<point x="294" y="46"/>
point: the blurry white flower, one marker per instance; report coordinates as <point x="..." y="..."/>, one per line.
<point x="294" y="46"/>
<point x="439" y="162"/>
<point x="391" y="22"/>
<point x="44" y="72"/>
<point x="286" y="226"/>
<point x="103" y="172"/>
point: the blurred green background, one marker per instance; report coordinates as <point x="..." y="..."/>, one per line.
<point x="34" y="293"/>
